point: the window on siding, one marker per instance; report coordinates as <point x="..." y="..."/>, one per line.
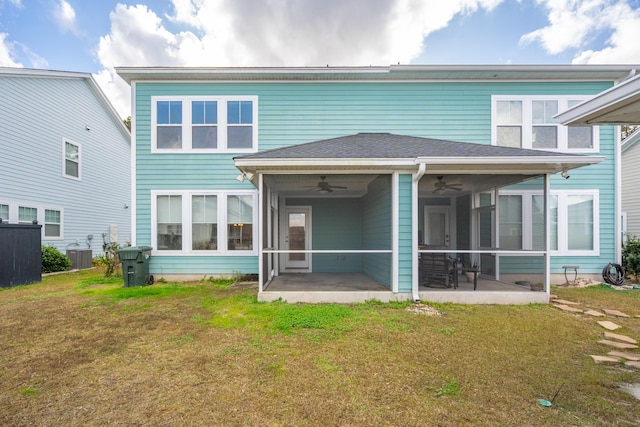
<point x="573" y="226"/>
<point x="4" y="213"/>
<point x="71" y="160"/>
<point x="204" y="222"/>
<point x="528" y="122"/>
<point x="198" y="222"/>
<point x="240" y="223"/>
<point x="169" y="224"/>
<point x="169" y="124"/>
<point x="204" y="129"/>
<point x="27" y="215"/>
<point x="204" y="124"/>
<point x="52" y="223"/>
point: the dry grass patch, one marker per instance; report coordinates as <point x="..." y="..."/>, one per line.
<point x="79" y="350"/>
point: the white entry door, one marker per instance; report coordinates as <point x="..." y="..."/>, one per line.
<point x="297" y="235"/>
<point x="436" y="226"/>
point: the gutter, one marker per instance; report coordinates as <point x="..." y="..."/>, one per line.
<point x="415" y="280"/>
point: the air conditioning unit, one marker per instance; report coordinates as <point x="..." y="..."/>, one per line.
<point x="80" y="258"/>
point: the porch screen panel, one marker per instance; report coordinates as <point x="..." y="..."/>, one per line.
<point x="240" y="223"/>
<point x="538" y="223"/>
<point x="510" y="222"/>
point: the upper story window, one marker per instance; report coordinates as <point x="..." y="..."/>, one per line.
<point x="204" y="124"/>
<point x="71" y="166"/>
<point x="527" y="122"/>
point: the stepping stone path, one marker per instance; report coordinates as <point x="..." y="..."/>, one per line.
<point x="617" y="341"/>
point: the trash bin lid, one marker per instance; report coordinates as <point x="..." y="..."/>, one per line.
<point x="129" y="253"/>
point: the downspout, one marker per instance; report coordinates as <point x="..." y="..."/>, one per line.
<point x="422" y="168"/>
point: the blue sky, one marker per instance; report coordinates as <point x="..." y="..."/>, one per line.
<point x="96" y="36"/>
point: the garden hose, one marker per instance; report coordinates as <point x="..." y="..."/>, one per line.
<point x="613" y="274"/>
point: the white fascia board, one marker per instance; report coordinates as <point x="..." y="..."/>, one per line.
<point x="520" y="160"/>
<point x="587" y="112"/>
<point x="259" y="163"/>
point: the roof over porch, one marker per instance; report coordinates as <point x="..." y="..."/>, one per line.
<point x="386" y="151"/>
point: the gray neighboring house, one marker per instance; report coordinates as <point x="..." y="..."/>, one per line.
<point x="66" y="159"/>
<point x="630" y="182"/>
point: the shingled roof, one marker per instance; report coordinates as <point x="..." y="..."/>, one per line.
<point x="391" y="146"/>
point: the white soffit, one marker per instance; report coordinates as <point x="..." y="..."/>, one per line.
<point x="617" y="105"/>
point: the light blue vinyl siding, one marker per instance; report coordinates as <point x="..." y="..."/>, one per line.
<point x="38" y="112"/>
<point x="299" y="112"/>
<point x="405" y="235"/>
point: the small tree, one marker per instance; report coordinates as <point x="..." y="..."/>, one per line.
<point x="111" y="259"/>
<point x="631" y="256"/>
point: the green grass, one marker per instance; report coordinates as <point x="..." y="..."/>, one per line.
<point x="82" y="350"/>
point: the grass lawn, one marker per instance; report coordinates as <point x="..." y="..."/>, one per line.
<point x="77" y="349"/>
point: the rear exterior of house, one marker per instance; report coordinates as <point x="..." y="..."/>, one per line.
<point x="66" y="160"/>
<point x="302" y="171"/>
<point x="630" y="179"/>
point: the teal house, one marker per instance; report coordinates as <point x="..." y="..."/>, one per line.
<point x="343" y="184"/>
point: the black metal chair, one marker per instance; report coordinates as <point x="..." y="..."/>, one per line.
<point x="438" y="270"/>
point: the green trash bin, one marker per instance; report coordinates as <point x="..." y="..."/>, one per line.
<point x="135" y="265"/>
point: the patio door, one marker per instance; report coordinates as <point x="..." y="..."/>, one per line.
<point x="297" y="235"/>
<point x="436" y="226"/>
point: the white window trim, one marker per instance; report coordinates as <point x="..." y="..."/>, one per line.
<point x="221" y="124"/>
<point x="64" y="159"/>
<point x="527" y="124"/>
<point x="14" y="206"/>
<point x="563" y="241"/>
<point x="187" y="222"/>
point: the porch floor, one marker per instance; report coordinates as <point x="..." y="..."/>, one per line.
<point x="350" y="282"/>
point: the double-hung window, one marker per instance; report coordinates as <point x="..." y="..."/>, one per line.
<point x="71" y="164"/>
<point x="528" y="122"/>
<point x="27" y="215"/>
<point x="203" y="222"/>
<point x="573" y="215"/>
<point x="20" y="212"/>
<point x="52" y="223"/>
<point x="4" y="213"/>
<point x="204" y="124"/>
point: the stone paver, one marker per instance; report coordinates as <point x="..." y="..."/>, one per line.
<point x="601" y="359"/>
<point x="615" y="313"/>
<point x="625" y="355"/>
<point x="633" y="364"/>
<point x="617" y="344"/>
<point x="567" y="308"/>
<point x="565" y="302"/>
<point x="594" y="313"/>
<point x="608" y="325"/>
<point x="620" y="337"/>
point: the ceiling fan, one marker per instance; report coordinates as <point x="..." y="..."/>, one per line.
<point x="324" y="187"/>
<point x="441" y="185"/>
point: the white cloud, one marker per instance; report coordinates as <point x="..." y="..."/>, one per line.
<point x="276" y="32"/>
<point x="65" y="17"/>
<point x="7" y="53"/>
<point x="573" y="24"/>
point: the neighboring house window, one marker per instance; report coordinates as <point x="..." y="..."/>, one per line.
<point x="71" y="160"/>
<point x="19" y="212"/>
<point x="204" y="124"/>
<point x="189" y="222"/>
<point x="528" y="122"/>
<point x="573" y="214"/>
<point x="27" y="215"/>
<point x="4" y="213"/>
<point x="52" y="223"/>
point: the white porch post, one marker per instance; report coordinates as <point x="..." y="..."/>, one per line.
<point x="261" y="222"/>
<point x="395" y="182"/>
<point x="415" y="280"/>
<point x="547" y="235"/>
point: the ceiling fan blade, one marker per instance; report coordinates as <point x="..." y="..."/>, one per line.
<point x="336" y="186"/>
<point x="453" y="187"/>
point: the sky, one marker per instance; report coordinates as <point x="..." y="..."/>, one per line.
<point x="95" y="36"/>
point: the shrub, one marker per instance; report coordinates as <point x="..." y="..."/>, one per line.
<point x="53" y="260"/>
<point x="631" y="255"/>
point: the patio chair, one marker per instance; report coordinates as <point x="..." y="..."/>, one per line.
<point x="438" y="270"/>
